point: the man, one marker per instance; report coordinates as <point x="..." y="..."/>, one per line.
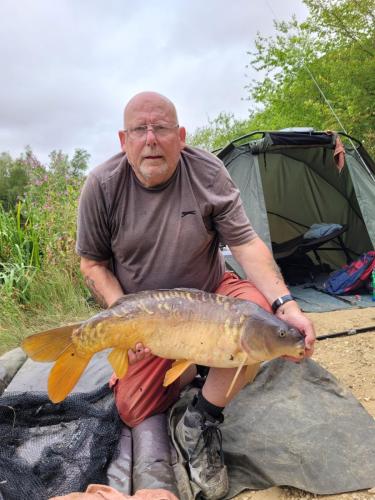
<point x="152" y="217"/>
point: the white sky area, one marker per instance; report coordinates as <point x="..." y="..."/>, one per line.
<point x="68" y="67"/>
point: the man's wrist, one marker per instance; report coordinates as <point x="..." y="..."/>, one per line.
<point x="280" y="301"/>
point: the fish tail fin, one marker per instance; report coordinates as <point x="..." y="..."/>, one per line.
<point x="65" y="373"/>
<point x="50" y="344"/>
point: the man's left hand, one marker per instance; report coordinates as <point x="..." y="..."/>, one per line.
<point x="292" y="314"/>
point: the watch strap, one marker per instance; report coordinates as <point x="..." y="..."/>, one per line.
<point x="280" y="301"/>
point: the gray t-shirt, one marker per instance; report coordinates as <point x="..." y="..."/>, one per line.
<point x="163" y="237"/>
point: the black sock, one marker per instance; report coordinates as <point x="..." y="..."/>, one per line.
<point x="201" y="404"/>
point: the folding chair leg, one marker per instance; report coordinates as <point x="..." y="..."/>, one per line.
<point x="345" y="250"/>
<point x="318" y="259"/>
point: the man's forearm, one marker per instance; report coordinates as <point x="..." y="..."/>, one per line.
<point x="260" y="268"/>
<point x="102" y="283"/>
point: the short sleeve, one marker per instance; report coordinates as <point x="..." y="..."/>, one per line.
<point x="93" y="232"/>
<point x="230" y="219"/>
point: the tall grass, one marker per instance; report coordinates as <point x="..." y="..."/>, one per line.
<point x="40" y="283"/>
<point x="55" y="299"/>
<point x="19" y="253"/>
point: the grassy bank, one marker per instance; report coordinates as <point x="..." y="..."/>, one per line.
<point x="40" y="283"/>
<point x="55" y="299"/>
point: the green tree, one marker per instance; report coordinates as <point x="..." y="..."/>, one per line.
<point x="79" y="163"/>
<point x="318" y="68"/>
<point x="219" y="131"/>
<point x="14" y="180"/>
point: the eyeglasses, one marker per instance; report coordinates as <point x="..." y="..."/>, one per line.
<point x="159" y="131"/>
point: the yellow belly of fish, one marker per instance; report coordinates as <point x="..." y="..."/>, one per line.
<point x="205" y="343"/>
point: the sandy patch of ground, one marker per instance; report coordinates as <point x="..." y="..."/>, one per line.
<point x="351" y="360"/>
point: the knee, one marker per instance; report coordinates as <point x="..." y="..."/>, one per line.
<point x="132" y="416"/>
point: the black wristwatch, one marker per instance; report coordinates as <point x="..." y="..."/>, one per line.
<point x="280" y="301"/>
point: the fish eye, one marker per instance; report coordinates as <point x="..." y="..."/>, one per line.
<point x="282" y="333"/>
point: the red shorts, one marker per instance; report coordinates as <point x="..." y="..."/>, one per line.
<point x="140" y="393"/>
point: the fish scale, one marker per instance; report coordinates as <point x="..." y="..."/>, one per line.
<point x="186" y="325"/>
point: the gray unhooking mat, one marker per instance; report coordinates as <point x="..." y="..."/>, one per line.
<point x="295" y="425"/>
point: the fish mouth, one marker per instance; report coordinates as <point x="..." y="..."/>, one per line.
<point x="301" y="349"/>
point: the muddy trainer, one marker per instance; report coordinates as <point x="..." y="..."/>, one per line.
<point x="152" y="217"/>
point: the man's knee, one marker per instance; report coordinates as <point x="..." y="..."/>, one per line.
<point x="233" y="286"/>
<point x="141" y="394"/>
<point x="133" y="415"/>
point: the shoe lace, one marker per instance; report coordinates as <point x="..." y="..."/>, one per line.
<point x="206" y="440"/>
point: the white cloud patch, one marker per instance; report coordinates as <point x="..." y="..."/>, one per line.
<point x="69" y="67"/>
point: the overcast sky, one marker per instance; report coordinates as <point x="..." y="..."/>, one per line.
<point x="69" y="66"/>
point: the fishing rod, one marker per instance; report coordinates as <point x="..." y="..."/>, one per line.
<point x="346" y="333"/>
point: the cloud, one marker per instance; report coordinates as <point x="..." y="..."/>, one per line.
<point x="68" y="67"/>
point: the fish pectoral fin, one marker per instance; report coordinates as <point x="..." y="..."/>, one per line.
<point x="176" y="371"/>
<point x="119" y="361"/>
<point x="49" y="345"/>
<point x="65" y="374"/>
<point x="251" y="372"/>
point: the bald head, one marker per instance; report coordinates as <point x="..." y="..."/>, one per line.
<point x="154" y="153"/>
<point x="147" y="100"/>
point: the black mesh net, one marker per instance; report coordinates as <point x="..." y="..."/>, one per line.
<point x="51" y="449"/>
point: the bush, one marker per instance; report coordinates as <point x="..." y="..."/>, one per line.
<point x="40" y="282"/>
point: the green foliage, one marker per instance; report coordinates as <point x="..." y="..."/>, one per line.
<point x="13" y="180"/>
<point x="334" y="49"/>
<point x="39" y="269"/>
<point x="56" y="298"/>
<point x="19" y="253"/>
<point x="219" y="131"/>
<point x="327" y="61"/>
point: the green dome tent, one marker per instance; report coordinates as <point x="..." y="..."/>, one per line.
<point x="290" y="180"/>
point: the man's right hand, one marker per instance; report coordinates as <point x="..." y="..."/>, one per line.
<point x="138" y="354"/>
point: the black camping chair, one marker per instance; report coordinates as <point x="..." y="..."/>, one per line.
<point x="300" y="246"/>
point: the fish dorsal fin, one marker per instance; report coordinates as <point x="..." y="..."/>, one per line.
<point x="178" y="290"/>
<point x="65" y="374"/>
<point x="118" y="301"/>
<point x="176" y="371"/>
<point x="119" y="361"/>
<point x="49" y="345"/>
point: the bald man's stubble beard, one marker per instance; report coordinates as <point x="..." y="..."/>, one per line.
<point x="148" y="173"/>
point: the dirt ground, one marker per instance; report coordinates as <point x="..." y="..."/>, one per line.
<point x="351" y="360"/>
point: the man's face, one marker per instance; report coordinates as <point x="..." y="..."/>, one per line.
<point x="153" y="157"/>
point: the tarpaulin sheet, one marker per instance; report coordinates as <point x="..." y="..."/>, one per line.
<point x="294" y="425"/>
